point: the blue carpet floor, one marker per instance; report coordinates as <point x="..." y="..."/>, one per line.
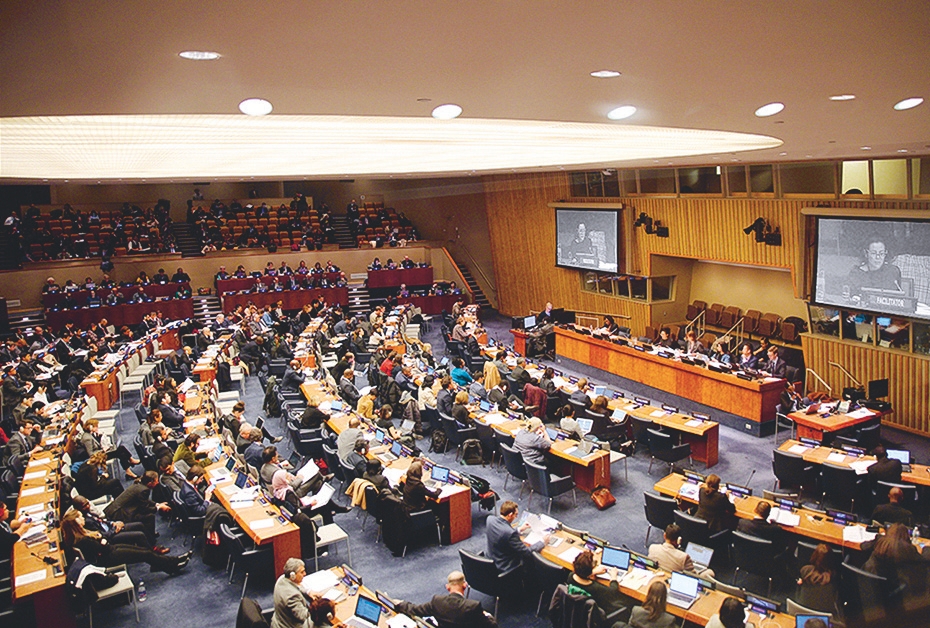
<point x="202" y="597"/>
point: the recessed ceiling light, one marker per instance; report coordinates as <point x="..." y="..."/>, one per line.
<point x="199" y="55"/>
<point x="865" y="148"/>
<point x="770" y="109"/>
<point x="621" y="113"/>
<point x="255" y="107"/>
<point x="447" y="111"/>
<point x="902" y="150"/>
<point x="843" y="97"/>
<point x="605" y="74"/>
<point x="782" y="154"/>
<point x="908" y="103"/>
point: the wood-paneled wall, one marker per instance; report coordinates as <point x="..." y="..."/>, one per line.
<point x="522" y="229"/>
<point x="908" y="375"/>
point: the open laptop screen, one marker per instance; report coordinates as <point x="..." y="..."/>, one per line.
<point x="440" y="474"/>
<point x="699" y="554"/>
<point x="585" y="425"/>
<point x="613" y="557"/>
<point x="900" y="454"/>
<point x="684" y="585"/>
<point x="368" y="609"/>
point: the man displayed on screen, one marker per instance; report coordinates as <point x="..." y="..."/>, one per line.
<point x="875" y="272"/>
<point x="580" y="247"/>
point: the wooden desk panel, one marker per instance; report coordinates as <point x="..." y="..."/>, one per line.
<point x="919" y="473"/>
<point x="753" y="400"/>
<point x="814" y="426"/>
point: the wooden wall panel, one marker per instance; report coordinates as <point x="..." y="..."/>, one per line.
<point x="522" y="230"/>
<point x="908" y="375"/>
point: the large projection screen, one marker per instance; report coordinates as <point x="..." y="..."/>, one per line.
<point x="586" y="239"/>
<point x="880" y="266"/>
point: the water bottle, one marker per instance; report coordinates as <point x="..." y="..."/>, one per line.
<point x="915" y="534"/>
<point x="140" y="594"/>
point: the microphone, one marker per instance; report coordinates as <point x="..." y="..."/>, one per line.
<point x="750" y="477"/>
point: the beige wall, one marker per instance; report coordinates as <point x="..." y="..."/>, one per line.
<point x="766" y="290"/>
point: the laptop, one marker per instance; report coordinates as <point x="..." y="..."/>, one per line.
<point x="801" y="620"/>
<point x="484" y="406"/>
<point x="700" y="555"/>
<point x="241" y="479"/>
<point x="367" y="613"/>
<point x="903" y="456"/>
<point x="600" y="390"/>
<point x="585" y="425"/>
<point x="439" y="477"/>
<point x="613" y="557"/>
<point x="259" y="423"/>
<point x="335" y="405"/>
<point x="379" y="435"/>
<point x="683" y="590"/>
<point x="391" y="455"/>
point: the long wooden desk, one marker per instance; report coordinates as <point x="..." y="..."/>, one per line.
<point x="455" y="507"/>
<point x="291" y="299"/>
<point x="814" y="426"/>
<point x="102" y="385"/>
<point x="707" y="605"/>
<point x="419" y="276"/>
<point x="754" y="400"/>
<point x="919" y="473"/>
<point x="154" y="290"/>
<point x="245" y="284"/>
<point x="702" y="435"/>
<point x="119" y="315"/>
<point x="821" y="530"/>
<point x="40" y="487"/>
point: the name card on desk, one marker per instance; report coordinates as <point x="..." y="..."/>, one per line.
<point x="32" y="491"/>
<point x="658" y="413"/>
<point x="35" y="475"/>
<point x="32" y="576"/>
<point x="260" y="524"/>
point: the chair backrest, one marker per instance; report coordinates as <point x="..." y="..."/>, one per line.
<point x="513" y="460"/>
<point x="729" y="589"/>
<point x="538" y="477"/>
<point x="546" y="574"/>
<point x="233" y="543"/>
<point x="503" y="438"/>
<point x="574" y="531"/>
<point x="659" y="510"/>
<point x="860" y="592"/>
<point x="692" y="528"/>
<point x="480" y="572"/>
<point x="751" y="552"/>
<point x="789" y="468"/>
<point x="910" y="493"/>
<point x="839" y="481"/>
<point x="574" y="611"/>
<point x="250" y="614"/>
<point x="659" y="441"/>
<point x="794" y="609"/>
<point x="773" y="495"/>
<point x="640" y="426"/>
<point x="870" y="436"/>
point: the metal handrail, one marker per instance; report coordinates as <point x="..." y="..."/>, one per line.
<point x="478" y="268"/>
<point x="811" y="371"/>
<point x="697" y="324"/>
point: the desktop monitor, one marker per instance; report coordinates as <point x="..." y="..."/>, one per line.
<point x="901" y="455"/>
<point x="529" y="322"/>
<point x="517" y="322"/>
<point x="613" y="557"/>
<point x="878" y="388"/>
<point x="440" y="474"/>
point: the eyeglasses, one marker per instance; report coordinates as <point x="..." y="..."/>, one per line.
<point x="878" y="253"/>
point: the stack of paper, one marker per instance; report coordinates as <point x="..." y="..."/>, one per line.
<point x="861" y="467"/>
<point x="836" y="456"/>
<point x="798" y="449"/>
<point x="784" y="517"/>
<point x="857" y="534"/>
<point x="570" y="554"/>
<point x="319" y="582"/>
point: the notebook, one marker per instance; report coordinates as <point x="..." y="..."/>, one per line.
<point x="683" y="590"/>
<point x="700" y="555"/>
<point x="367" y="614"/>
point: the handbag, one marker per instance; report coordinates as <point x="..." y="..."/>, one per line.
<point x="603" y="498"/>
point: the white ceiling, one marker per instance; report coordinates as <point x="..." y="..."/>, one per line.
<point x="703" y="65"/>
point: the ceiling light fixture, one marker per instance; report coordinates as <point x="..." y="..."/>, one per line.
<point x="621" y="113"/>
<point x="908" y="103"/>
<point x="199" y="55"/>
<point x="605" y="74"/>
<point x="902" y="150"/>
<point x="839" y="97"/>
<point x="448" y="111"/>
<point x="770" y="109"/>
<point x="255" y="107"/>
<point x="865" y="148"/>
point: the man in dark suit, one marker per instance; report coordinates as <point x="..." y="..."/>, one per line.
<point x="195" y="502"/>
<point x="893" y="511"/>
<point x="21" y="445"/>
<point x="520" y="374"/>
<point x="445" y="397"/>
<point x="452" y="610"/>
<point x="134" y="504"/>
<point x="505" y="547"/>
<point x="170" y="416"/>
<point x="775" y="366"/>
<point x="885" y="469"/>
<point x="746" y="358"/>
<point x="292" y="378"/>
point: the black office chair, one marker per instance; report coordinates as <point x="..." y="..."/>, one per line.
<point x="546" y="576"/>
<point x="881" y="489"/>
<point x="567" y="610"/>
<point x="485" y="434"/>
<point x="456" y="435"/>
<point x="791" y="471"/>
<point x="251" y="615"/>
<point x="784" y="423"/>
<point x="332" y="462"/>
<point x="660" y="512"/>
<point x="247" y="559"/>
<point x="843" y="486"/>
<point x="431" y="416"/>
<point x="547" y="485"/>
<point x="420" y="522"/>
<point x="502" y="438"/>
<point x="192" y="524"/>
<point x="483" y="576"/>
<point x="662" y="448"/>
<point x="865" y="597"/>
<point x="373" y="509"/>
<point x="641" y="428"/>
<point x="752" y="555"/>
<point x="696" y="529"/>
<point x="513" y="461"/>
<point x="553" y="403"/>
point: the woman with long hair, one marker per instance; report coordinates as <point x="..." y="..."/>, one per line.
<point x="415" y="492"/>
<point x="97" y="551"/>
<point x="92" y="480"/>
<point x="714" y="507"/>
<point x="896" y="558"/>
<point x="652" y="613"/>
<point x="816" y="584"/>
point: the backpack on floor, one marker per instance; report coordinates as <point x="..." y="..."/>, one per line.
<point x="472" y="453"/>
<point x="437" y="443"/>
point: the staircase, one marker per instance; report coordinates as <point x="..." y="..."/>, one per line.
<point x="480" y="297"/>
<point x="188" y="243"/>
<point x="359" y="299"/>
<point x="341" y="231"/>
<point x="24" y="319"/>
<point x="206" y="308"/>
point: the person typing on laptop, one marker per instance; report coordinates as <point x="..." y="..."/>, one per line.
<point x="671" y="558"/>
<point x="652" y="613"/>
<point x="607" y="597"/>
